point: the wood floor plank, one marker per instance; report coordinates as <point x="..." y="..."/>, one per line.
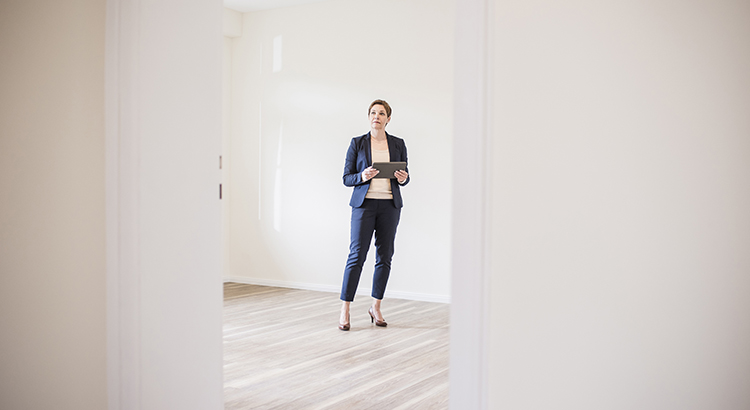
<point x="282" y="350"/>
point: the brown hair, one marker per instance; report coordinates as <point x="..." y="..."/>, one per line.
<point x="384" y="104"/>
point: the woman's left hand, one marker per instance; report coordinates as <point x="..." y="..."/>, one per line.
<point x="401" y="176"/>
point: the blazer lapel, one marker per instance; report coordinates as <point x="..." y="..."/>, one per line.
<point x="391" y="147"/>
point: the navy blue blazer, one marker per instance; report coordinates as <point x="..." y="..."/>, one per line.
<point x="359" y="157"/>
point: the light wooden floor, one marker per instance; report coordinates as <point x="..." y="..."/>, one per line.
<point x="283" y="350"/>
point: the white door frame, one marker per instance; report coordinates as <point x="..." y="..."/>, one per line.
<point x="122" y="223"/>
<point x="471" y="206"/>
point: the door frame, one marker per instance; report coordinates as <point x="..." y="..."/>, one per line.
<point x="471" y="204"/>
<point x="471" y="208"/>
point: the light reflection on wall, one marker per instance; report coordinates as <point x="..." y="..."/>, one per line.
<point x="260" y="160"/>
<point x="277" y="54"/>
<point x="277" y="184"/>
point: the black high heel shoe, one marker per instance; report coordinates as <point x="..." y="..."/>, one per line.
<point x="380" y="323"/>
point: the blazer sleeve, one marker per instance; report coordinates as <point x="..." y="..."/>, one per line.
<point x="405" y="158"/>
<point x="352" y="176"/>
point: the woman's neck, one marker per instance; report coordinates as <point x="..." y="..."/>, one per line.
<point x="378" y="135"/>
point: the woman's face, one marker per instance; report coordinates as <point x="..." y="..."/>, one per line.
<point x="378" y="117"/>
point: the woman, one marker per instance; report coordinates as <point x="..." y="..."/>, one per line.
<point x="376" y="207"/>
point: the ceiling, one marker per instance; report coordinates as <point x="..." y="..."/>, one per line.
<point x="245" y="6"/>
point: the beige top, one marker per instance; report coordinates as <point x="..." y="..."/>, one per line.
<point x="380" y="188"/>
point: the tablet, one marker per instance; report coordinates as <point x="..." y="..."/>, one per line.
<point x="388" y="169"/>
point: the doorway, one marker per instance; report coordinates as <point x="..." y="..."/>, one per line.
<point x="143" y="322"/>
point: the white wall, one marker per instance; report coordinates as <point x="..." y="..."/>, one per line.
<point x="52" y="255"/>
<point x="292" y="121"/>
<point x="621" y="190"/>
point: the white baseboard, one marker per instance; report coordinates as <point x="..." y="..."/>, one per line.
<point x="394" y="294"/>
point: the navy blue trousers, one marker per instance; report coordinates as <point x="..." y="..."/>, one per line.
<point x="381" y="217"/>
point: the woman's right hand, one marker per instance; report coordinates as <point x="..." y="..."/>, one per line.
<point x="369" y="173"/>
